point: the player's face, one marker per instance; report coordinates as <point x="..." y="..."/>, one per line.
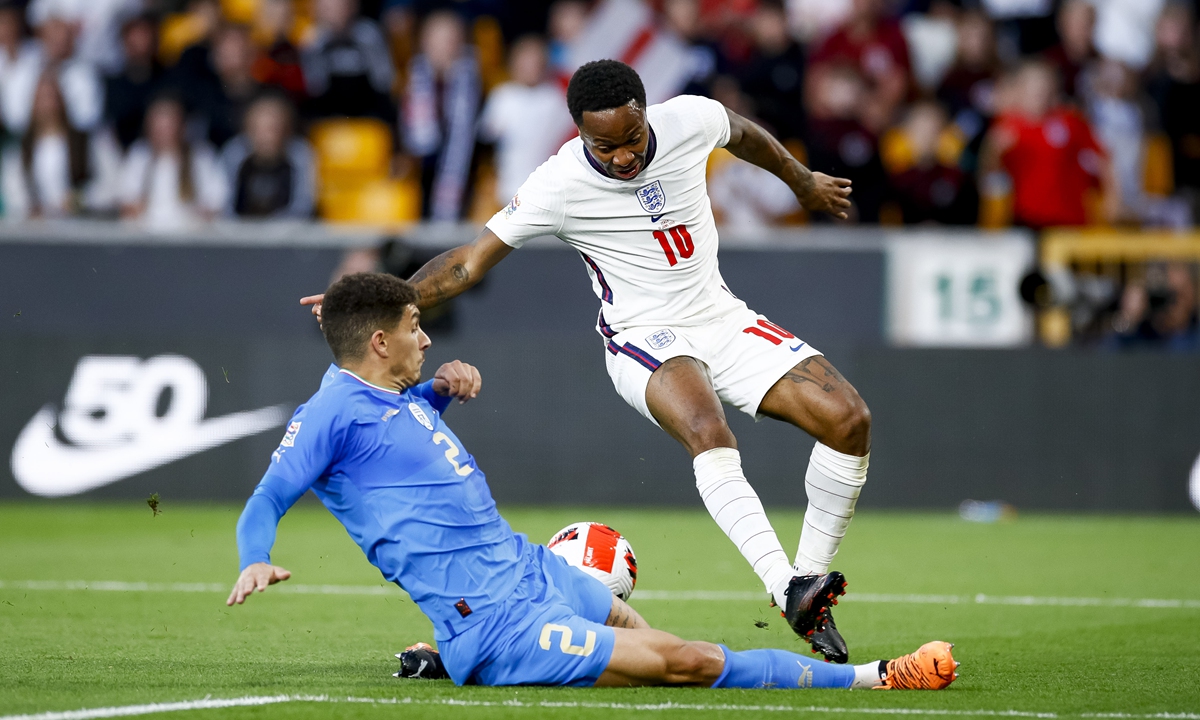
<point x="617" y="139"/>
<point x="409" y="342"/>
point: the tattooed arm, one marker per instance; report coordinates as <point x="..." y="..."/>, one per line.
<point x="448" y="274"/>
<point x="623" y="616"/>
<point x="815" y="191"/>
<point x="457" y="270"/>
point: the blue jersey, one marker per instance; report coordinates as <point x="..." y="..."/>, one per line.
<point x="406" y="490"/>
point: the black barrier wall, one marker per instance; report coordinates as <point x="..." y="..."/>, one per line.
<point x="90" y="332"/>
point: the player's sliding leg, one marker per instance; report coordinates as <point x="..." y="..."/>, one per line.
<point x="816" y="398"/>
<point x="422" y="662"/>
<point x="681" y="398"/>
<point x="653" y="657"/>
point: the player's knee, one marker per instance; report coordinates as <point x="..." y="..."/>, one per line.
<point x="710" y="433"/>
<point x="852" y="428"/>
<point x="705" y="432"/>
<point x="694" y="663"/>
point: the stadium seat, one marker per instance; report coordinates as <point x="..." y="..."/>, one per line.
<point x="239" y="11"/>
<point x="379" y="202"/>
<point x="177" y="33"/>
<point x="489" y="45"/>
<point x="996" y="202"/>
<point x="895" y="151"/>
<point x="1158" y="174"/>
<point x="351" y="151"/>
<point x="951" y="144"/>
<point x="483" y="204"/>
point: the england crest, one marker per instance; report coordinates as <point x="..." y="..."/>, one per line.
<point x="661" y="339"/>
<point x="652" y="197"/>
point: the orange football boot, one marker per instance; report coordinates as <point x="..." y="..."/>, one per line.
<point x="931" y="667"/>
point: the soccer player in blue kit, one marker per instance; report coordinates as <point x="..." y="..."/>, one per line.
<point x="372" y="445"/>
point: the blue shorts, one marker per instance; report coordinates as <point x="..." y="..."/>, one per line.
<point x="550" y="632"/>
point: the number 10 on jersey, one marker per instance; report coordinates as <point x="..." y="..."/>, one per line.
<point x="682" y="241"/>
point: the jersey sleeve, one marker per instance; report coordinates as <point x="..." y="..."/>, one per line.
<point x="308" y="448"/>
<point x="437" y="402"/>
<point x="711" y="115"/>
<point x="536" y="210"/>
<point x="260" y="519"/>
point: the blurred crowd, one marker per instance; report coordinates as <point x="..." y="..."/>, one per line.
<point x="1034" y="112"/>
<point x="1037" y="113"/>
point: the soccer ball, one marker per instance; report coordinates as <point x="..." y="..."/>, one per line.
<point x="599" y="551"/>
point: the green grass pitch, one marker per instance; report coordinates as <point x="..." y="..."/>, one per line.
<point x="65" y="649"/>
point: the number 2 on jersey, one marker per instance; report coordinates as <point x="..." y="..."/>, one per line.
<point x="451" y="452"/>
<point x="683" y="243"/>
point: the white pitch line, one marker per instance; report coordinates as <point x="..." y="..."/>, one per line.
<point x="118" y="586"/>
<point x="129" y="710"/>
<point x="210" y="703"/>
<point x="648" y="595"/>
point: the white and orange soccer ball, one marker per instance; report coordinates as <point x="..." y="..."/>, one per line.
<point x="599" y="551"/>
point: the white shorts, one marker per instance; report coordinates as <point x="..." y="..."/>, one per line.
<point x="743" y="353"/>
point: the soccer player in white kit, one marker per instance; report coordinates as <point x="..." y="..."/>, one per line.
<point x="630" y="195"/>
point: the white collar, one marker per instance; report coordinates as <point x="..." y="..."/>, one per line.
<point x="369" y="384"/>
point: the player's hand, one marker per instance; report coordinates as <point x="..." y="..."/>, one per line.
<point x="255" y="577"/>
<point x="315" y="301"/>
<point x="457" y="379"/>
<point x="829" y="194"/>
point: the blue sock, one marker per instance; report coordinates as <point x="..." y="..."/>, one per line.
<point x="780" y="669"/>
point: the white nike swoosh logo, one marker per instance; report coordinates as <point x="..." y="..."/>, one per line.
<point x="43" y="465"/>
<point x="424" y="664"/>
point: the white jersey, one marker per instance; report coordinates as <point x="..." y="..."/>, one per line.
<point x="649" y="243"/>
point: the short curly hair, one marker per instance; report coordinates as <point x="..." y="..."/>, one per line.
<point x="357" y="305"/>
<point x="603" y="85"/>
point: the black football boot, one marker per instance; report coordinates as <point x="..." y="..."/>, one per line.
<point x="421" y="662"/>
<point x="809" y="596"/>
<point x="828" y="641"/>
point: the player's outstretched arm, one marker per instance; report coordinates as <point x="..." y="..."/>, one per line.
<point x="815" y="191"/>
<point x="256" y="534"/>
<point x="256" y="577"/>
<point x="455" y="271"/>
<point x="447" y="275"/>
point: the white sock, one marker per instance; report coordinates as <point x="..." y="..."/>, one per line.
<point x="736" y="508"/>
<point x="833" y="482"/>
<point x="869" y="675"/>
